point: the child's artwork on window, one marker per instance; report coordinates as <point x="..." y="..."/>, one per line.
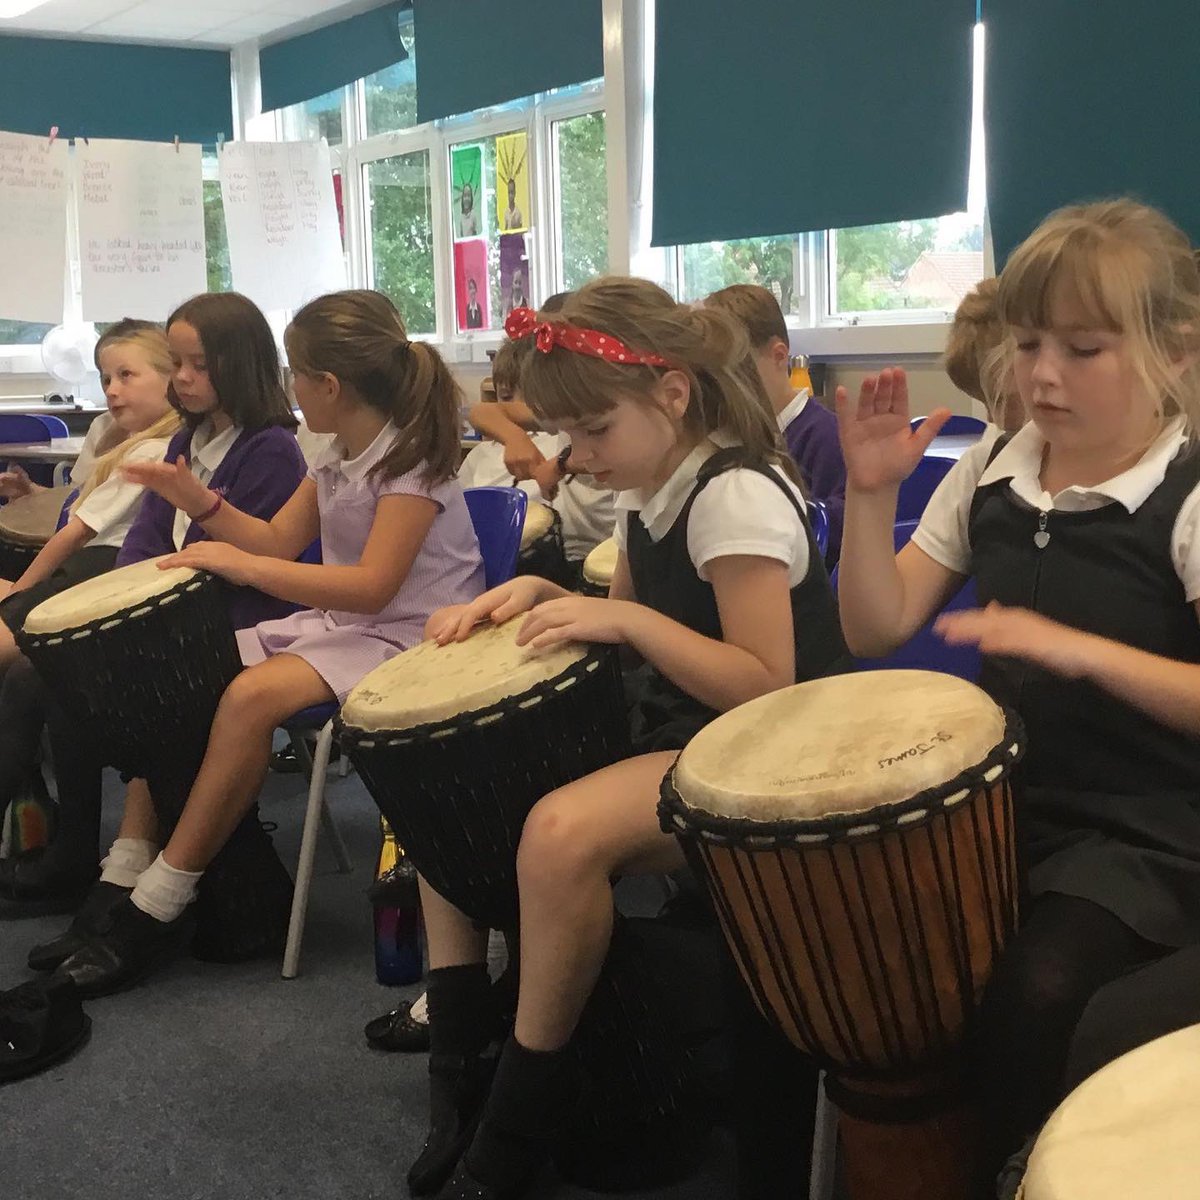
<point x="512" y="182"/>
<point x="469" y="205"/>
<point x="514" y="272"/>
<point x="471" y="287"/>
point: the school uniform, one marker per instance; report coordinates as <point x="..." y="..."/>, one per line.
<point x="716" y="504"/>
<point x="343" y="647"/>
<point x="712" y="506"/>
<point x="810" y="433"/>
<point x="256" y="471"/>
<point x="1108" y="799"/>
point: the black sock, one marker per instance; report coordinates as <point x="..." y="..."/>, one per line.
<point x="462" y="1011"/>
<point x="532" y="1095"/>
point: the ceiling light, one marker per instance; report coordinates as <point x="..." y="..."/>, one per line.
<point x="17" y="8"/>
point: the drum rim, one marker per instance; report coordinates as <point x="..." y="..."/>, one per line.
<point x="202" y="579"/>
<point x="597" y="657"/>
<point x="553" y="533"/>
<point x="746" y="833"/>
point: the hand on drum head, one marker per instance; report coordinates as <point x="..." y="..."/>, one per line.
<point x="576" y="619"/>
<point x="14" y="483"/>
<point x="218" y="557"/>
<point x="454" y="624"/>
<point x="879" y="446"/>
<point x="174" y="482"/>
<point x="1019" y="633"/>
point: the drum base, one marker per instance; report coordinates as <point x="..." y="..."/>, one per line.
<point x="930" y="1157"/>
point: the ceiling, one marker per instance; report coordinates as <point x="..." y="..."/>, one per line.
<point x="190" y="22"/>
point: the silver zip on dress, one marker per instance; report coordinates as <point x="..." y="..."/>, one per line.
<point x="1041" y="539"/>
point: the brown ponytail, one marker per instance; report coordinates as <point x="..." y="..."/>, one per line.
<point x="358" y="337"/>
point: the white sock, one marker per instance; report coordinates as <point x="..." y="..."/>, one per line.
<point x="127" y="859"/>
<point x="420" y="1009"/>
<point x="163" y="892"/>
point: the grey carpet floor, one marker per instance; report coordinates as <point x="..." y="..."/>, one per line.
<point x="215" y="1082"/>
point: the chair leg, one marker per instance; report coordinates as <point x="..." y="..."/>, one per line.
<point x="308" y="850"/>
<point x="824" y="1153"/>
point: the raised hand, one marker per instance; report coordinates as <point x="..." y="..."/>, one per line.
<point x="174" y="482"/>
<point x="878" y="444"/>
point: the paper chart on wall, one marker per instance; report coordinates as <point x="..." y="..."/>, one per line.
<point x="284" y="244"/>
<point x="141" y="227"/>
<point x="33" y="228"/>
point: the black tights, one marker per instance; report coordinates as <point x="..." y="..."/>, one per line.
<point x="1065" y="950"/>
<point x="27" y="706"/>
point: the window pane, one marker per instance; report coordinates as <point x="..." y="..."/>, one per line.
<point x="220" y="277"/>
<point x="909" y="264"/>
<point x="582" y="199"/>
<point x="400" y="228"/>
<point x="320" y="117"/>
<point x="508" y="256"/>
<point x="770" y="262"/>
<point x="391" y="95"/>
<point x="22" y="333"/>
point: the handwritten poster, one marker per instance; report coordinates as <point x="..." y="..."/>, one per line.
<point x="33" y="228"/>
<point x="141" y="227"/>
<point x="281" y="217"/>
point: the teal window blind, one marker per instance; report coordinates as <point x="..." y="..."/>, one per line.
<point x="106" y="89"/>
<point x="478" y="53"/>
<point x="317" y="62"/>
<point x="780" y="116"/>
<point x="1086" y="102"/>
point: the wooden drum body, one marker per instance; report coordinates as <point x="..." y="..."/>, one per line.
<point x="26" y="525"/>
<point x="856" y="836"/>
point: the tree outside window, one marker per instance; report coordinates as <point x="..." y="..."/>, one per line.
<point x="401" y="234"/>
<point x="582" y="199"/>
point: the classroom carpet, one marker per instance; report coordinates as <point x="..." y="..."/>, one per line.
<point x="212" y="1082"/>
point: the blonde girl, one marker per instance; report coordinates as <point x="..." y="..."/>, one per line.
<point x="1080" y="530"/>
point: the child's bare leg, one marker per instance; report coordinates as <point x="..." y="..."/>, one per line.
<point x="138" y="819"/>
<point x="575" y="841"/>
<point x="239" y="747"/>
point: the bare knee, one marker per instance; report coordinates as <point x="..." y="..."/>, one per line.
<point x="558" y="844"/>
<point x="253" y="702"/>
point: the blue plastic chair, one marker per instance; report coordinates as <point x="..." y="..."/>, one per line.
<point x="498" y="515"/>
<point x="920" y="485"/>
<point x="56" y="427"/>
<point x="26" y="427"/>
<point x="818" y="518"/>
<point x="925" y="651"/>
<point x="957" y="426"/>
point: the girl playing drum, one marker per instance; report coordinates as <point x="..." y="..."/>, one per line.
<point x="718" y="586"/>
<point x="1080" y="532"/>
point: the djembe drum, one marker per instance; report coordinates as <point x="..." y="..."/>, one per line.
<point x="26" y="525"/>
<point x="1128" y="1131"/>
<point x="140" y="658"/>
<point x="599" y="567"/>
<point x="856" y="837"/>
<point x="456" y="744"/>
<point x="542" y="551"/>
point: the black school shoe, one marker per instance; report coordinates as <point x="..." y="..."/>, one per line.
<point x="32" y="885"/>
<point x="89" y="921"/>
<point x="396" y="1031"/>
<point x="130" y="945"/>
<point x="41" y="1023"/>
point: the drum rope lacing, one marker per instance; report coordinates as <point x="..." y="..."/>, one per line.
<point x="112" y="620"/>
<point x="448" y="726"/>
<point x="912" y="1016"/>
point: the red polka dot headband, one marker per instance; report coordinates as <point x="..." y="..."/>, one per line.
<point x="523" y="323"/>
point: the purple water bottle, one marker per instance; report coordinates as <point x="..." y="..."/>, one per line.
<point x="397" y="904"/>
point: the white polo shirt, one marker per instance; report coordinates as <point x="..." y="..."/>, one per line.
<point x="208" y="452"/>
<point x="109" y="510"/>
<point x="942" y="533"/>
<point x="794" y="407"/>
<point x="738" y="512"/>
